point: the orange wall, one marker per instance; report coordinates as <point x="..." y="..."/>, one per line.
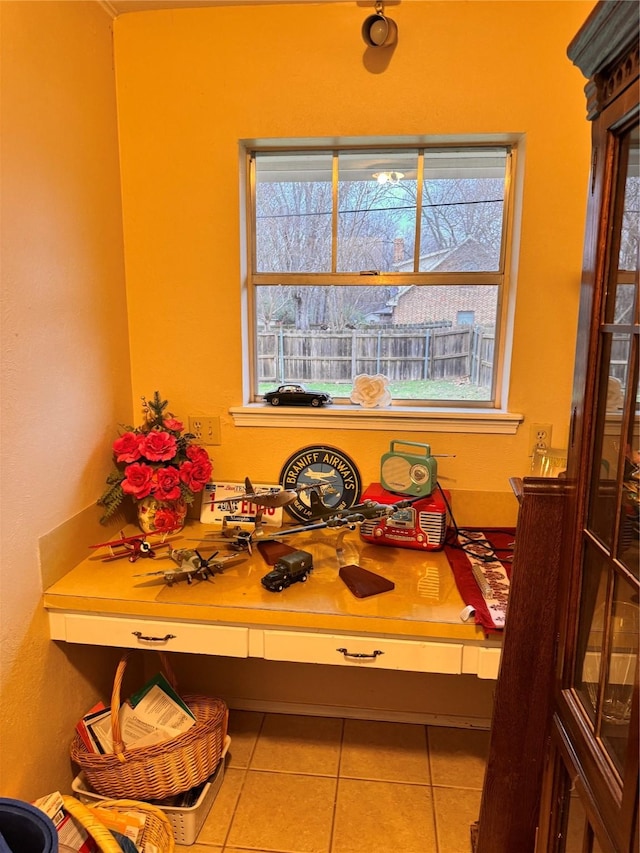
<point x="65" y="358"/>
<point x="191" y="83"/>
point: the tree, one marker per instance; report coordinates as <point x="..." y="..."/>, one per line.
<point x="294" y="235"/>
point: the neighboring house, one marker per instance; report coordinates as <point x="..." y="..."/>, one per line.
<point x="459" y="304"/>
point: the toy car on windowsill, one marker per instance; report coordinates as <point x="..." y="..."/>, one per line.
<point x="296" y="395"/>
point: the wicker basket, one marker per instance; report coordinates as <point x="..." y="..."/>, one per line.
<point x="157" y="828"/>
<point x="158" y="771"/>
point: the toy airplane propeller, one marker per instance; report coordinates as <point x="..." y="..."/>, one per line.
<point x="133" y="547"/>
<point x="191" y="564"/>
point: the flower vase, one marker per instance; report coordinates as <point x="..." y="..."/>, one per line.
<point x="156" y="516"/>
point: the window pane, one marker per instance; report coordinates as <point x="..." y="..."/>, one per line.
<point x="621" y="673"/>
<point x="330" y="334"/>
<point x="293" y="212"/>
<point x="591" y="628"/>
<point x="416" y="216"/>
<point x="462" y="211"/>
<point x="574" y="837"/>
<point x="630" y="229"/>
<point x="629" y="539"/>
<point x="609" y="441"/>
<point x="607" y="654"/>
<point x="376" y="210"/>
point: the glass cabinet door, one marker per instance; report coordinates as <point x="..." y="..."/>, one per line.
<point x="608" y="618"/>
<point x="613" y="510"/>
<point x="604" y="676"/>
<point x="589" y="798"/>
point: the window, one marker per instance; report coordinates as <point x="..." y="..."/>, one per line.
<point x="466" y="318"/>
<point x="375" y="261"/>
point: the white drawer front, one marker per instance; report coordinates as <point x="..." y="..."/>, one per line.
<point x="136" y="633"/>
<point x="372" y="652"/>
<point x="489" y="663"/>
<point x="480" y="661"/>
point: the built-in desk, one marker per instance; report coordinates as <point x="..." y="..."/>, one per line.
<point x="415" y="627"/>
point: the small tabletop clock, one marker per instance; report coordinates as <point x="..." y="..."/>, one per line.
<point x="333" y="480"/>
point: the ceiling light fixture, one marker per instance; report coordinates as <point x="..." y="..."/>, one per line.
<point x="378" y="30"/>
<point x="388" y="177"/>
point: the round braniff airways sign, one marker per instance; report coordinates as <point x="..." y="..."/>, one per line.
<point x="326" y="478"/>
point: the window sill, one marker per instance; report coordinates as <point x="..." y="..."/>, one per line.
<point x="397" y="418"/>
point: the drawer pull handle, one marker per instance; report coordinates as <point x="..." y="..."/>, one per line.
<point x="164" y="639"/>
<point x="374" y="654"/>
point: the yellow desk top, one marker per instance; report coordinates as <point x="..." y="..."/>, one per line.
<point x="424" y="604"/>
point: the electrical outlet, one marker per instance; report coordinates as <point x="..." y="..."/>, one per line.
<point x="539" y="436"/>
<point x="206" y="428"/>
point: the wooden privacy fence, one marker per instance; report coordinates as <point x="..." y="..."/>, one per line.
<point x="435" y="352"/>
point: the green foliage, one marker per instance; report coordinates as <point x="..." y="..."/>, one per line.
<point x="112" y="497"/>
<point x="154" y="410"/>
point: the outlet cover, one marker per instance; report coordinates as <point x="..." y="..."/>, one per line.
<point x="540" y="436"/>
<point x="206" y="428"/>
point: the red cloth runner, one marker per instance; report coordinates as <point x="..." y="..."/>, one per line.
<point x="501" y="541"/>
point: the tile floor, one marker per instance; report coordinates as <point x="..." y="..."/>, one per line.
<point x="297" y="784"/>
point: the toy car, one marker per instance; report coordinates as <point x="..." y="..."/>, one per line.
<point x="289" y="569"/>
<point x="296" y="395"/>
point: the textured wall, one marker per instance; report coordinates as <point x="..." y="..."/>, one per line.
<point x="65" y="353"/>
<point x="192" y="83"/>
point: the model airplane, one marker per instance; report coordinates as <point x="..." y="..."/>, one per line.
<point x="133" y="547"/>
<point x="273" y="497"/>
<point x="191" y="564"/>
<point x="347" y="519"/>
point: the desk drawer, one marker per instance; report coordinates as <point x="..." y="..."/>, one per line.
<point x="371" y="652"/>
<point x="136" y="632"/>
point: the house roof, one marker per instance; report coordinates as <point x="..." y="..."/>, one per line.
<point x="468" y="256"/>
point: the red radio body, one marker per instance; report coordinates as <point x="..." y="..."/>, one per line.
<point x="422" y="525"/>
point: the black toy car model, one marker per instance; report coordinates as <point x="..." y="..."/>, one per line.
<point x="289" y="569"/>
<point x="296" y="395"/>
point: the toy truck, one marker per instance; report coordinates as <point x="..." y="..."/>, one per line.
<point x="289" y="569"/>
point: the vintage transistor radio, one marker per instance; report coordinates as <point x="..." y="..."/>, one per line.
<point x="410" y="471"/>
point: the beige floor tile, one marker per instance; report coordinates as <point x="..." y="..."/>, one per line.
<point x="218" y="821"/>
<point x="394" y="752"/>
<point x="284" y="812"/>
<point x="383" y="817"/>
<point x="198" y="848"/>
<point x="457" y="756"/>
<point x="244" y="727"/>
<point x="456" y="810"/>
<point x="298" y="744"/>
<point x="253" y="850"/>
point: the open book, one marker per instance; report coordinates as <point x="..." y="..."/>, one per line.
<point x="154" y="714"/>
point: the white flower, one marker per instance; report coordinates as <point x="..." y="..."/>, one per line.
<point x="371" y="391"/>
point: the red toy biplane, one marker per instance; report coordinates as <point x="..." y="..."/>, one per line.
<point x="134" y="547"/>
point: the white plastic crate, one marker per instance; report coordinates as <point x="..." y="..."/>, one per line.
<point x="185" y="821"/>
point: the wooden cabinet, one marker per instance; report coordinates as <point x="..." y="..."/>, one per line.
<point x="590" y="795"/>
<point x="584" y="699"/>
<point x="522" y="706"/>
<point x="562" y="775"/>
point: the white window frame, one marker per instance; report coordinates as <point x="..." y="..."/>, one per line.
<point x="492" y="418"/>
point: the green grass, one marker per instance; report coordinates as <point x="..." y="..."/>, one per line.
<point x="410" y="390"/>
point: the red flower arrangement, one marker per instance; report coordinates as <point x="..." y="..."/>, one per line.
<point x="157" y="460"/>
